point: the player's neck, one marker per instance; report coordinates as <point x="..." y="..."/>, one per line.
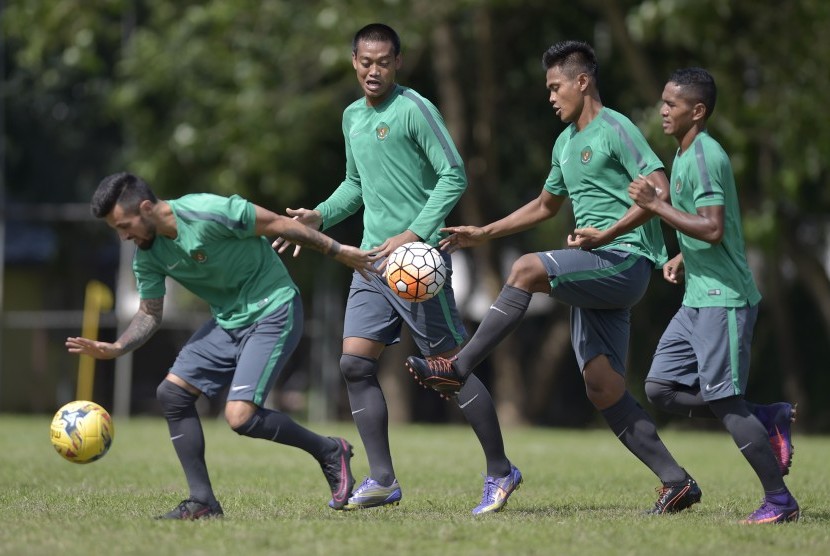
<point x="590" y="109"/>
<point x="685" y="141"/>
<point x="165" y="220"/>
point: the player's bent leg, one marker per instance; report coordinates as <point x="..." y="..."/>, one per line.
<point x="677" y="399"/>
<point x="333" y="454"/>
<point x="529" y="274"/>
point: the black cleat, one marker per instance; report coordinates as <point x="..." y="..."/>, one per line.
<point x="338" y="472"/>
<point x="193" y="509"/>
<point x="437" y="373"/>
<point x="677" y="497"/>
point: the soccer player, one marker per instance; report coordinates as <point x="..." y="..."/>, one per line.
<point x="702" y="361"/>
<point x="215" y="247"/>
<point x="404" y="169"/>
<point x="613" y="251"/>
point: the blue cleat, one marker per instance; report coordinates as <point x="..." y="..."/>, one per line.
<point x="497" y="490"/>
<point x="371" y="494"/>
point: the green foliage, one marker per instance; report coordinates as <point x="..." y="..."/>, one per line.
<point x="583" y="494"/>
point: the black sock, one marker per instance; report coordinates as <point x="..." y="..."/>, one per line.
<point x="751" y="438"/>
<point x="370" y="414"/>
<point x="279" y="427"/>
<point x="185" y="428"/>
<point x="477" y="406"/>
<point x="636" y="430"/>
<point x="504" y="316"/>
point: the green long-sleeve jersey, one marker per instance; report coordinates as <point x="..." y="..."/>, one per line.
<point x="401" y="165"/>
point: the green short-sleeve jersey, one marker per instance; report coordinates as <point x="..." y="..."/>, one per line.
<point x="216" y="256"/>
<point x="401" y="165"/>
<point x="716" y="275"/>
<point x="594" y="167"/>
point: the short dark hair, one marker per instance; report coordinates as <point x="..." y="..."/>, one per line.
<point x="574" y="57"/>
<point x="123" y="189"/>
<point x="697" y="85"/>
<point x="377" y="32"/>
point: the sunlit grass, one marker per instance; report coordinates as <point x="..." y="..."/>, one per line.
<point x="583" y="494"/>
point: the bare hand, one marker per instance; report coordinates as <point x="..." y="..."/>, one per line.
<point x="361" y="261"/>
<point x="97" y="350"/>
<point x="389" y="246"/>
<point x="642" y="192"/>
<point x="461" y="237"/>
<point x="311" y="218"/>
<point x="586" y="238"/>
<point x="674" y="271"/>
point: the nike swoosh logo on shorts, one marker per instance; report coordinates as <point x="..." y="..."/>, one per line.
<point x="441" y="339"/>
<point x="237" y="388"/>
<point x="710" y="388"/>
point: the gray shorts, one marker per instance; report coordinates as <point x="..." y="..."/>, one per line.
<point x="375" y="312"/>
<point x="707" y="348"/>
<point x="248" y="359"/>
<point x="601" y="286"/>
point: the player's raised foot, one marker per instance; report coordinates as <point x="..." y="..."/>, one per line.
<point x="497" y="490"/>
<point x="371" y="494"/>
<point x="778" y="419"/>
<point x="193" y="509"/>
<point x="437" y="373"/>
<point x="338" y="472"/>
<point x="676" y="497"/>
<point x="770" y="512"/>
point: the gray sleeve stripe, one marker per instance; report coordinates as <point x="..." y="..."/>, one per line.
<point x="638" y="156"/>
<point x="435" y="128"/>
<point x="218" y="218"/>
<point x="705" y="179"/>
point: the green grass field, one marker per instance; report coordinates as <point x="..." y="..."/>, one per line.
<point x="583" y="494"/>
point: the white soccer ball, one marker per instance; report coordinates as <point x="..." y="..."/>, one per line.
<point x="415" y="271"/>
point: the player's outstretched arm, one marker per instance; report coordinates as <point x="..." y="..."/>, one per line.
<point x="144" y="324"/>
<point x="311" y="218"/>
<point x="270" y="224"/>
<point x="545" y="206"/>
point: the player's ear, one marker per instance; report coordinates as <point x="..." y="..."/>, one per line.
<point x="145" y="207"/>
<point x="398" y="61"/>
<point x="699" y="112"/>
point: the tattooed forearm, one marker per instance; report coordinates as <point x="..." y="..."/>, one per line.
<point x="307" y="237"/>
<point x="144" y="324"/>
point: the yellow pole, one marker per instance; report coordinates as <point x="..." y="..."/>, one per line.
<point x="98" y="299"/>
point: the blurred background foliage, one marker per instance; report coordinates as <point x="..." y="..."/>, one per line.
<point x="246" y="97"/>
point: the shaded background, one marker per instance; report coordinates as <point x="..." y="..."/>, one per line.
<point x="246" y="97"/>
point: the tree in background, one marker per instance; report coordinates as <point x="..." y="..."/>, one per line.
<point x="246" y="97"/>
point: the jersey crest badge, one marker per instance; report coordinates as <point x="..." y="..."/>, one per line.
<point x="678" y="185"/>
<point x="382" y="131"/>
<point x="199" y="256"/>
<point x="586" y="154"/>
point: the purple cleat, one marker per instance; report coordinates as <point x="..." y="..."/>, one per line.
<point x="774" y="513"/>
<point x="778" y="418"/>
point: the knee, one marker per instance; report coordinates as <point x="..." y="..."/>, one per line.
<point x="238" y="413"/>
<point x="528" y="274"/>
<point x="603" y="385"/>
<point x="174" y="399"/>
<point x="355" y="367"/>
